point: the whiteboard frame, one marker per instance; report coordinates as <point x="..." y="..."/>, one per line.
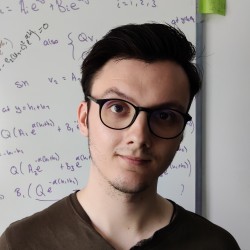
<point x="198" y="112"/>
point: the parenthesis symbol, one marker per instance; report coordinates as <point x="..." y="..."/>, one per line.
<point x="192" y="123"/>
<point x="21" y="169"/>
<point x="57" y="156"/>
<point x="53" y="124"/>
<point x="190" y="167"/>
<point x="9" y="42"/>
<point x="182" y="189"/>
<point x="76" y="181"/>
<point x="14" y="132"/>
<point x="29" y="190"/>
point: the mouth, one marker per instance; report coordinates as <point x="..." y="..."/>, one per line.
<point x="133" y="160"/>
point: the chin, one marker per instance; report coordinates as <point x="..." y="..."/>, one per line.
<point x="128" y="188"/>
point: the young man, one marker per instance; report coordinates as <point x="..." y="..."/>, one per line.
<point x="139" y="83"/>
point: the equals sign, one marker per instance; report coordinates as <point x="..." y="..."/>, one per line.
<point x="64" y="78"/>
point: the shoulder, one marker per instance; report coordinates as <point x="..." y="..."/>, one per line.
<point x="64" y="225"/>
<point x="44" y="216"/>
<point x="205" y="232"/>
<point x="38" y="225"/>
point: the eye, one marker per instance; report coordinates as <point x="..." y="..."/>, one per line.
<point x="117" y="108"/>
<point x="166" y="116"/>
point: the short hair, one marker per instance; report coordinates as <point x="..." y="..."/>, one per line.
<point x="149" y="42"/>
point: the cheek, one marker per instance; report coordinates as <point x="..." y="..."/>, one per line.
<point x="166" y="153"/>
<point x="102" y="145"/>
<point x="99" y="132"/>
<point x="102" y="140"/>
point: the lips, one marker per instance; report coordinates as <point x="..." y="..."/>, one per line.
<point x="135" y="160"/>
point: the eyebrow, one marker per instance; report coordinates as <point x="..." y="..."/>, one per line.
<point x="115" y="91"/>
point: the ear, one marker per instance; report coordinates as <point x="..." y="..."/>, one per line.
<point x="82" y="116"/>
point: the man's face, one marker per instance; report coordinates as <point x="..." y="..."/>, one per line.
<point x="132" y="159"/>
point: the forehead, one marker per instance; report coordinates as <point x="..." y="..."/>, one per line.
<point x="145" y="84"/>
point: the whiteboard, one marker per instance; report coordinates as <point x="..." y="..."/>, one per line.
<point x="43" y="157"/>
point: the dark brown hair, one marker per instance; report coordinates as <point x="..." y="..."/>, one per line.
<point x="148" y="42"/>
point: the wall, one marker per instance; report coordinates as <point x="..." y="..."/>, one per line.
<point x="226" y="120"/>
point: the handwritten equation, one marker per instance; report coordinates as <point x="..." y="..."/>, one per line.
<point x="36" y="186"/>
<point x="27" y="7"/>
<point x="24" y="44"/>
<point x="136" y="3"/>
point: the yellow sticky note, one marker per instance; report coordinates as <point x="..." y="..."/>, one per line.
<point x="212" y="7"/>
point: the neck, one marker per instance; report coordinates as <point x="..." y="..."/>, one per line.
<point x="115" y="214"/>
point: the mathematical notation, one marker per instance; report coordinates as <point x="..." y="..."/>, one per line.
<point x="36" y="127"/>
<point x="27" y="7"/>
<point x="81" y="38"/>
<point x="44" y="192"/>
<point x="28" y="177"/>
<point x="24" y="44"/>
<point x="183" y="166"/>
<point x="136" y="3"/>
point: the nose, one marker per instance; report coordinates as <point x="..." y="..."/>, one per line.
<point x="138" y="133"/>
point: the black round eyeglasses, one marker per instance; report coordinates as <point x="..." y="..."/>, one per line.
<point x="166" y="123"/>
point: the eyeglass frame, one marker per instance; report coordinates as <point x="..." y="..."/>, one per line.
<point x="138" y="109"/>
